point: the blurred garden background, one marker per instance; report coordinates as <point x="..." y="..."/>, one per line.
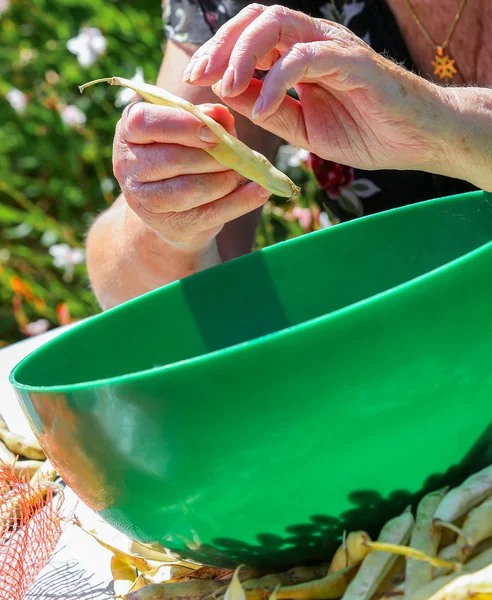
<point x="55" y="150"/>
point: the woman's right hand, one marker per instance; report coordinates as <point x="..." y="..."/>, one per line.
<point x="170" y="183"/>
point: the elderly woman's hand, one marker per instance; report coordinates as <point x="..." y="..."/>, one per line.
<point x="355" y="106"/>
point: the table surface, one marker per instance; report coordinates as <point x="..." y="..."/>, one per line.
<point x="80" y="567"/>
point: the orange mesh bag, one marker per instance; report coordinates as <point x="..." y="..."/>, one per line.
<point x="30" y="527"/>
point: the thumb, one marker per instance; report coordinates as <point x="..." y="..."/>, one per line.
<point x="287" y="122"/>
<point x="221" y="114"/>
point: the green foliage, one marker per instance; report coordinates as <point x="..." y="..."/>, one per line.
<point x="55" y="178"/>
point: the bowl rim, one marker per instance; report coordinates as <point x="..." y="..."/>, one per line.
<point x="397" y="290"/>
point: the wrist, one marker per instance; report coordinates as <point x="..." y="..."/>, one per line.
<point x="162" y="260"/>
<point x="466" y="143"/>
<point x="126" y="258"/>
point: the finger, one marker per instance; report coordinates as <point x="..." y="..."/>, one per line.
<point x="181" y="193"/>
<point x="287" y="122"/>
<point x="302" y="62"/>
<point x="145" y="163"/>
<point x="277" y="28"/>
<point x="213" y="215"/>
<point x="146" y="123"/>
<point x="210" y="61"/>
<point x="269" y="60"/>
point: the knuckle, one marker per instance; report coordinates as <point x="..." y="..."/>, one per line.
<point x="255" y="8"/>
<point x="132" y="190"/>
<point x="118" y="132"/>
<point x="123" y="160"/>
<point x="277" y="12"/>
<point x="119" y="166"/>
<point x="134" y="119"/>
<point x="301" y="51"/>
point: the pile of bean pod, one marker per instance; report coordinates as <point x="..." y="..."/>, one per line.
<point x="443" y="552"/>
<point x="24" y="456"/>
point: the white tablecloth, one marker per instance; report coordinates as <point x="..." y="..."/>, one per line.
<point x="79" y="569"/>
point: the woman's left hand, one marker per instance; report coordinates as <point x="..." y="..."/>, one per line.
<point x="355" y="107"/>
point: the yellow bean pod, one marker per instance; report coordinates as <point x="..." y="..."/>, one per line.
<point x="426" y="539"/>
<point x="230" y="151"/>
<point x="476" y="528"/>
<point x="20" y="445"/>
<point x="351" y="552"/>
<point x="376" y="565"/>
<point x="461" y="499"/>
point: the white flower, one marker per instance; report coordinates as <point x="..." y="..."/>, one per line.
<point x="88" y="45"/>
<point x="290" y="156"/>
<point x="73" y="116"/>
<point x="66" y="258"/>
<point x="37" y="327"/>
<point x="16" y="99"/>
<point x="125" y="95"/>
<point x="297" y="157"/>
<point x="4" y="5"/>
<point x="324" y="220"/>
<point x="107" y="185"/>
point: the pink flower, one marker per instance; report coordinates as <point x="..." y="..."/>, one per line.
<point x="211" y="18"/>
<point x="304" y="216"/>
<point x="4" y="5"/>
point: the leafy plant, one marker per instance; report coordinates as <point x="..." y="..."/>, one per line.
<point x="55" y="150"/>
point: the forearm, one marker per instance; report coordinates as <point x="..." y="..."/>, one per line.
<point x="467" y="153"/>
<point x="126" y="258"/>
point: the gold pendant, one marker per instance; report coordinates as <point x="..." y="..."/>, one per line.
<point x="443" y="65"/>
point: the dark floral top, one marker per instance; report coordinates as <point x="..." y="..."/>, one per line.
<point x="348" y="192"/>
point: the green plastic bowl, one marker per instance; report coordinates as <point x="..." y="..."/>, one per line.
<point x="253" y="412"/>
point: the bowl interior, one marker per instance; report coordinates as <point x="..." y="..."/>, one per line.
<point x="264" y="292"/>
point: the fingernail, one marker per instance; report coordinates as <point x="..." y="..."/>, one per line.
<point x="227" y="82"/>
<point x="187" y="71"/>
<point x="264" y="193"/>
<point x="199" y="68"/>
<point x="257" y="108"/>
<point x="207" y="135"/>
<point x="217" y="88"/>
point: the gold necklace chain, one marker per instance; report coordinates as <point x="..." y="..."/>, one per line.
<point x="444" y="66"/>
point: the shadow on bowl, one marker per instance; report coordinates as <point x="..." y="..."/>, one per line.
<point x="318" y="539"/>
